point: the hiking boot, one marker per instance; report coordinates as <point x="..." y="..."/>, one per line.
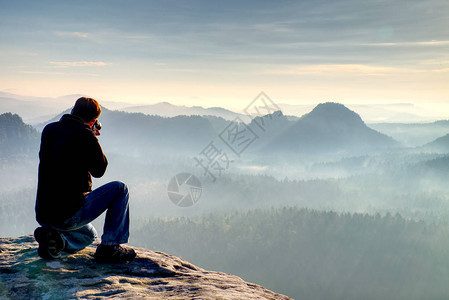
<point x="50" y="243"/>
<point x="114" y="253"/>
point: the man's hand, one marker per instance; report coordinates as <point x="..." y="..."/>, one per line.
<point x="96" y="131"/>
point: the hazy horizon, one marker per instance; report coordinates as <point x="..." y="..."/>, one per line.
<point x="370" y="113"/>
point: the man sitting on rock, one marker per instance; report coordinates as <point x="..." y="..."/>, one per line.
<point x="65" y="204"/>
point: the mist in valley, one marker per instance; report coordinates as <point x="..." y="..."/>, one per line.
<point x="318" y="206"/>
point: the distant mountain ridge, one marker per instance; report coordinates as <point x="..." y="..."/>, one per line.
<point x="138" y="134"/>
<point x="167" y="109"/>
<point x="441" y="144"/>
<point x="376" y="113"/>
<point x="414" y="134"/>
<point x="35" y="110"/>
<point x="330" y="127"/>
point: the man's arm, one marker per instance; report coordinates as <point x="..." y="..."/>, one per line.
<point x="97" y="160"/>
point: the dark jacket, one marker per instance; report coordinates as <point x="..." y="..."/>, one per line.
<point x="69" y="155"/>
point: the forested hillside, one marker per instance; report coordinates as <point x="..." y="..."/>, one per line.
<point x="308" y="254"/>
<point x="16" y="137"/>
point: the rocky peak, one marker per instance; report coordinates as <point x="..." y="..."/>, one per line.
<point x="331" y="112"/>
<point x="152" y="275"/>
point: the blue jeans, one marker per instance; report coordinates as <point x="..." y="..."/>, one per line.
<point x="77" y="231"/>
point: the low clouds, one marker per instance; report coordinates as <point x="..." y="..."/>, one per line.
<point x="336" y="68"/>
<point x="443" y="70"/>
<point x="67" y="64"/>
<point x="408" y="44"/>
<point x="76" y="34"/>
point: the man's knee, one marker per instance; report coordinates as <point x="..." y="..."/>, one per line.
<point x="121" y="186"/>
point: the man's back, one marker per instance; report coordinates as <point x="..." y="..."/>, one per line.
<point x="69" y="155"/>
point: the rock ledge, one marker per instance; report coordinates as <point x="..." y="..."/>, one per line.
<point x="152" y="275"/>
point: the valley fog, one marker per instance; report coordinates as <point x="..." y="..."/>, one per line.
<point x="327" y="171"/>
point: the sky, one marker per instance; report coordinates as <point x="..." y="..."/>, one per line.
<point x="224" y="53"/>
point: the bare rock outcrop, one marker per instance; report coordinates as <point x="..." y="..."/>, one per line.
<point x="152" y="275"/>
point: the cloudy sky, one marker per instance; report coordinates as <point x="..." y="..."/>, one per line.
<point x="224" y="53"/>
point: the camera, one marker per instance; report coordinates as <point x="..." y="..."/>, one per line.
<point x="97" y="125"/>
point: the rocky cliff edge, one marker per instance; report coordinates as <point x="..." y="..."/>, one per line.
<point x="152" y="275"/>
